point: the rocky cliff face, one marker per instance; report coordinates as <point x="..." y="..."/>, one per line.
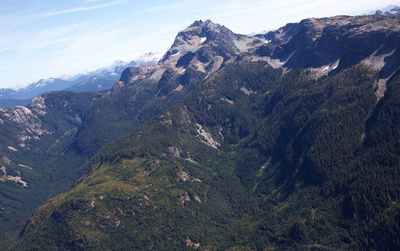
<point x="203" y="46"/>
<point x="323" y="45"/>
<point x="337" y="43"/>
<point x="197" y="52"/>
<point x="25" y="126"/>
<point x="37" y="160"/>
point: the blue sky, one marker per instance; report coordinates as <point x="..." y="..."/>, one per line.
<point x="48" y="38"/>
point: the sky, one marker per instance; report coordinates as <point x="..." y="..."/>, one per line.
<point x="46" y="38"/>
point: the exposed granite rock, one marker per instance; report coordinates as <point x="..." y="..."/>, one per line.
<point x="38" y="105"/>
<point x="27" y="121"/>
<point x="318" y="43"/>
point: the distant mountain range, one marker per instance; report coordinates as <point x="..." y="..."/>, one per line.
<point x="390" y="11"/>
<point x="98" y="80"/>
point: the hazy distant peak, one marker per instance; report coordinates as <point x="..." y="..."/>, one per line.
<point x="395" y="11"/>
<point x="118" y="63"/>
<point x="149" y="57"/>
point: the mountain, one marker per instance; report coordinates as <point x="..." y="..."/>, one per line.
<point x="104" y="78"/>
<point x="7" y="103"/>
<point x="142" y="92"/>
<point x="279" y="141"/>
<point x="35" y="89"/>
<point x="37" y="160"/>
<point x="101" y="79"/>
<point x="394" y="11"/>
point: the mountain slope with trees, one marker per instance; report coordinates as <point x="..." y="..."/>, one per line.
<point x="286" y="140"/>
<point x="288" y="166"/>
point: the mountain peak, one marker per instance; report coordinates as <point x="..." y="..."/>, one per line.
<point x="201" y="23"/>
<point x="202" y="29"/>
<point x="393" y="11"/>
<point x="200" y="34"/>
<point x="206" y="28"/>
<point x="204" y="46"/>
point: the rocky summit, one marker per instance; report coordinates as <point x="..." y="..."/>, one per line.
<point x="280" y="141"/>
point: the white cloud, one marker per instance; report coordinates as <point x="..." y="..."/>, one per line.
<point x="171" y="6"/>
<point x="80" y="9"/>
<point x="39" y="39"/>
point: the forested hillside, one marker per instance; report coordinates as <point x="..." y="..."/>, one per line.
<point x="251" y="160"/>
<point x="285" y="140"/>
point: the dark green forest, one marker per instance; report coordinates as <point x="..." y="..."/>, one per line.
<point x="293" y="162"/>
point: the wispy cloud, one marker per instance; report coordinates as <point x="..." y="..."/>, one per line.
<point x="14" y="19"/>
<point x="40" y="39"/>
<point x="44" y="43"/>
<point x="171" y="6"/>
<point x="80" y="9"/>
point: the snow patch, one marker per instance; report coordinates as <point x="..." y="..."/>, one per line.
<point x="325" y="69"/>
<point x="44" y="82"/>
<point x="176" y="54"/>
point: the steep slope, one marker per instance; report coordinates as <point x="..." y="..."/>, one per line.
<point x="142" y="92"/>
<point x="57" y="133"/>
<point x="37" y="161"/>
<point x="162" y="166"/>
<point x="329" y="45"/>
<point x="271" y="160"/>
<point x="325" y="46"/>
<point x="248" y="161"/>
